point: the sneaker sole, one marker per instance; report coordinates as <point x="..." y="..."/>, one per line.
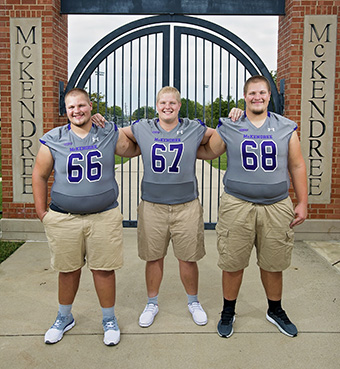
<point x="67" y="328"/>
<point x="111" y="343"/>
<point x="271" y="320"/>
<point x="144" y="325"/>
<point x="196" y="321"/>
<point x="232" y="331"/>
<point x="224" y="336"/>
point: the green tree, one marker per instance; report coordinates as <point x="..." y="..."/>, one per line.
<point x="111" y="113"/>
<point x="98" y="105"/>
<point x="240" y="104"/>
<point x="274" y="76"/>
<point x="142" y="112"/>
<point x="190" y="110"/>
<point x="219" y="108"/>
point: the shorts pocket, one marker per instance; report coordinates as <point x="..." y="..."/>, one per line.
<point x="45" y="218"/>
<point x="222" y="241"/>
<point x="277" y="252"/>
<point x="281" y="235"/>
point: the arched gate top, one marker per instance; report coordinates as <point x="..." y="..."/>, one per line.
<point x="78" y="73"/>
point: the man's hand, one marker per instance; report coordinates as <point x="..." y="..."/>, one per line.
<point x="98" y="120"/>
<point x="300" y="215"/>
<point x="235" y="114"/>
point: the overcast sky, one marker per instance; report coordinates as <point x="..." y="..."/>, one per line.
<point x="259" y="32"/>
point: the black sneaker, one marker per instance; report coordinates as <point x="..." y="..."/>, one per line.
<point x="281" y="320"/>
<point x="225" y="325"/>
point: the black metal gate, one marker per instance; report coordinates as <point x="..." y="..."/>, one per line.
<point x="208" y="64"/>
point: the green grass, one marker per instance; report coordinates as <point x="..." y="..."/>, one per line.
<point x="118" y="160"/>
<point x="223" y="162"/>
<point x="7" y="249"/>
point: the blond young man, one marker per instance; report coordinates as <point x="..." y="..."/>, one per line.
<point x="169" y="209"/>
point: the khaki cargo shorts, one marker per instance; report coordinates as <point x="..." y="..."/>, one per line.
<point x="181" y="223"/>
<point x="76" y="239"/>
<point x="243" y="224"/>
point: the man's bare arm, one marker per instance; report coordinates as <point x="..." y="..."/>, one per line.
<point x="41" y="172"/>
<point x="213" y="148"/>
<point x="126" y="144"/>
<point x="297" y="170"/>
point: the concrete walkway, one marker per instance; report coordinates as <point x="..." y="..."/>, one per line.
<point x="28" y="306"/>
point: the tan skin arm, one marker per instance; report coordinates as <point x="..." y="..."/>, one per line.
<point x="208" y="133"/>
<point x="126" y="147"/>
<point x="209" y="152"/>
<point x="213" y="148"/>
<point x="41" y="172"/>
<point x="297" y="170"/>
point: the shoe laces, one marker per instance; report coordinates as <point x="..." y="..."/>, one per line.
<point x="281" y="314"/>
<point x="59" y="322"/>
<point x="196" y="306"/>
<point x="227" y="316"/>
<point x="149" y="307"/>
<point x="111" y="323"/>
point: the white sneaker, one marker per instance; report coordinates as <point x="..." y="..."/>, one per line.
<point x="111" y="332"/>
<point x="148" y="315"/>
<point x="198" y="314"/>
<point x="61" y="325"/>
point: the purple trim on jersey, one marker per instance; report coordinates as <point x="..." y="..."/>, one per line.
<point x="202" y="123"/>
<point x="42" y="141"/>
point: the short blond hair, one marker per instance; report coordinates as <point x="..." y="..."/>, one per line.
<point x="78" y="91"/>
<point x="169" y="90"/>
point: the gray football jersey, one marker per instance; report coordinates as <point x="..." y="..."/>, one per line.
<point x="169" y="159"/>
<point x="84" y="169"/>
<point x="257" y="158"/>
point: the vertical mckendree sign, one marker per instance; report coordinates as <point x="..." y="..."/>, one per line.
<point x="317" y="103"/>
<point x="26" y="102"/>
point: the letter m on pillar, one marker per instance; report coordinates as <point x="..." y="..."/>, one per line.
<point x="314" y="31"/>
<point x="20" y="35"/>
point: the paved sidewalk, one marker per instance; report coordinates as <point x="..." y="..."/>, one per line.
<point x="28" y="306"/>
